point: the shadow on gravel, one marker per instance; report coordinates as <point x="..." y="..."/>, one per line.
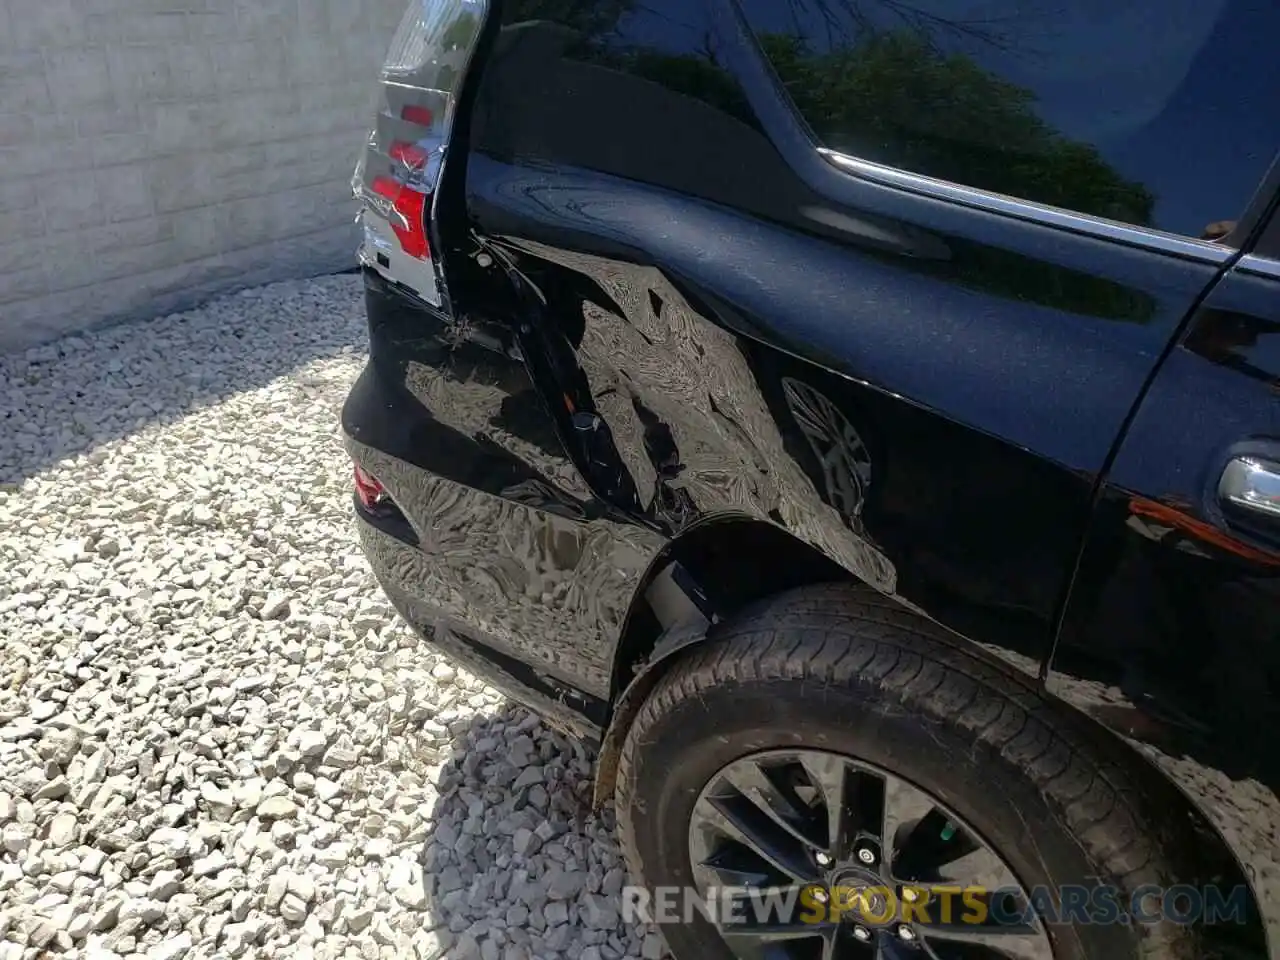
<point x="77" y="393"/>
<point x="517" y="865"/>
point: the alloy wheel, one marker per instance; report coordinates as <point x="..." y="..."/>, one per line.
<point x="823" y="857"/>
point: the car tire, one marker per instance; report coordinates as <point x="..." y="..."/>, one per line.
<point x="842" y="669"/>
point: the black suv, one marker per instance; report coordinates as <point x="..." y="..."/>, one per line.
<point x="859" y="419"/>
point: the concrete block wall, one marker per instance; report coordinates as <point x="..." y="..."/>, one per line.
<point x="156" y="152"/>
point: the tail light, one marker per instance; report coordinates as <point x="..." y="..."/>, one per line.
<point x="369" y="491"/>
<point x="410" y="223"/>
<point x="396" y="178"/>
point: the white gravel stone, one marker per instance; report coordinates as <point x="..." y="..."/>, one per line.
<point x="80" y="926"/>
<point x="216" y="739"/>
<point x="276" y="607"/>
<point x="293" y="909"/>
<point x="412" y="897"/>
<point x="175" y="948"/>
<point x="526" y="842"/>
<point x="275" y="890"/>
<point x="277" y="808"/>
<point x="11" y="875"/>
<point x="311" y="743"/>
<point x="62" y="830"/>
<point x="145" y="910"/>
<point x="207" y="866"/>
<point x="165" y="884"/>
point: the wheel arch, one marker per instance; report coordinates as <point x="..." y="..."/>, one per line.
<point x="673" y="610"/>
<point x="708" y="573"/>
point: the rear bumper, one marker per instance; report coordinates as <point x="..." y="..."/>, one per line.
<point x="481" y="553"/>
<point x="407" y="577"/>
<point x="443" y="555"/>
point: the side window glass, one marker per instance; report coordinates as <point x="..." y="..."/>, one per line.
<point x="669" y="43"/>
<point x="1160" y="113"/>
<point x="637" y="90"/>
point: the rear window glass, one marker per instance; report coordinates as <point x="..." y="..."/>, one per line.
<point x="1161" y="113"/>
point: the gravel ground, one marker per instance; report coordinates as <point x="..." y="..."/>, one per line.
<point x="215" y="737"/>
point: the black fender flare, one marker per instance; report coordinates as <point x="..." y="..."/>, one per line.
<point x="628" y="704"/>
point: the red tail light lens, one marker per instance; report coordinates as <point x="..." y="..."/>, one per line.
<point x="414" y="113"/>
<point x="368" y="490"/>
<point x="412" y="207"/>
<point x="410" y="154"/>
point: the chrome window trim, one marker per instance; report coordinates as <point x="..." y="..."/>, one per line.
<point x="1259" y="266"/>
<point x="1201" y="250"/>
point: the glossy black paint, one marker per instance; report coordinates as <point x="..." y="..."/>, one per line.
<point x="697" y="342"/>
<point x="1172" y="636"/>
<point x="930" y="521"/>
<point x="500" y="545"/>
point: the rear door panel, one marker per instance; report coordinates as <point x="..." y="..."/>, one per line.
<point x="1172" y="634"/>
